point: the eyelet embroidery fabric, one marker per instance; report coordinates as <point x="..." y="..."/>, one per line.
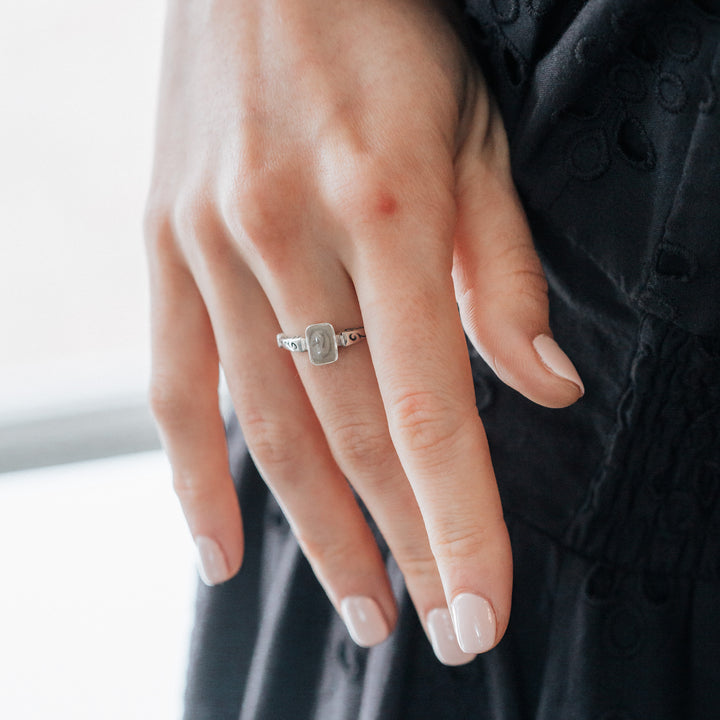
<point x="613" y="504"/>
<point x="644" y="94"/>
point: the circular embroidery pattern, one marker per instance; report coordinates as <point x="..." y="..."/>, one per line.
<point x="683" y="40"/>
<point x="587" y="154"/>
<point x="588" y="50"/>
<point x="671" y="92"/>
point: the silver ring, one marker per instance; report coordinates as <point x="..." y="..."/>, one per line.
<point x="321" y="342"/>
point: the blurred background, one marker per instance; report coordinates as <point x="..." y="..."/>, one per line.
<point x="97" y="568"/>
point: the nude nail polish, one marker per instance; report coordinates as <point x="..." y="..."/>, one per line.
<point x="474" y="621"/>
<point x="212" y="564"/>
<point x="364" y="620"/>
<point x="443" y="639"/>
<point x="556" y="361"/>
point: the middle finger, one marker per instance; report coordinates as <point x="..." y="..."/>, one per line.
<point x="347" y="401"/>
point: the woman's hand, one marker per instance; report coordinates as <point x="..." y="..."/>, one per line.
<point x="342" y="162"/>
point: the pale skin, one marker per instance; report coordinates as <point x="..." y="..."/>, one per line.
<point x="343" y="162"/>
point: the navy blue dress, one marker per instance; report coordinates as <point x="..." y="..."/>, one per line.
<point x="612" y="108"/>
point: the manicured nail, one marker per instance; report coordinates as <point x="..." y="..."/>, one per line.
<point x="443" y="638"/>
<point x="364" y="621"/>
<point x="212" y="564"/>
<point x="556" y="361"/>
<point x="474" y="622"/>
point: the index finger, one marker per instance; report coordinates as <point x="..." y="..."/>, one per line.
<point x="420" y="357"/>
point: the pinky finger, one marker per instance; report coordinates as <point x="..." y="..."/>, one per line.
<point x="184" y="400"/>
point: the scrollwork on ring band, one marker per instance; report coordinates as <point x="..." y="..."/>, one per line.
<point x="321" y="342"/>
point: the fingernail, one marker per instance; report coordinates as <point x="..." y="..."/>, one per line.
<point x="556" y="361"/>
<point x="443" y="638"/>
<point x="364" y="621"/>
<point x="212" y="565"/>
<point x="474" y="622"/>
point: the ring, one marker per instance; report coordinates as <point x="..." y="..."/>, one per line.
<point x="321" y="342"/>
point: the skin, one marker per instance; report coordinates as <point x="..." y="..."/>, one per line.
<point x="341" y="162"/>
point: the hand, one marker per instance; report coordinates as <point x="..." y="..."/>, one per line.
<point x="342" y="162"/>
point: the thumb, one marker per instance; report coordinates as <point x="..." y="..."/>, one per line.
<point x="499" y="282"/>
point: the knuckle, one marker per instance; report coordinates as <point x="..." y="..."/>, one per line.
<point x="362" y="445"/>
<point x="155" y="218"/>
<point x="416" y="567"/>
<point x="361" y="189"/>
<point x="460" y="544"/>
<point x="425" y="421"/>
<point x="157" y="230"/>
<point x="250" y="209"/>
<point x="519" y="267"/>
<point x="531" y="285"/>
<point x="274" y="444"/>
<point x="371" y="191"/>
<point x="167" y="405"/>
<point x="333" y="554"/>
<point x="197" y="226"/>
<point x="527" y="284"/>
<point x="264" y="211"/>
<point x="188" y="213"/>
<point x="189" y="489"/>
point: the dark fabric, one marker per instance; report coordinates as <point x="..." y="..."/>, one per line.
<point x="613" y="504"/>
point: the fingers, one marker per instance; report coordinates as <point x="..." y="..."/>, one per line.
<point x="184" y="401"/>
<point x="309" y="428"/>
<point x="347" y="402"/>
<point x="499" y="283"/>
<point x="289" y="448"/>
<point x="419" y="353"/>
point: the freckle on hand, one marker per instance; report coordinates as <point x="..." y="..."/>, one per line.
<point x="386" y="205"/>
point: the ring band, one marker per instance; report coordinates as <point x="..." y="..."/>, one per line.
<point x="321" y="342"/>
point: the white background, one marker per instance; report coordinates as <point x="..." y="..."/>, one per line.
<point x="97" y="591"/>
<point x="95" y="562"/>
<point x="77" y="98"/>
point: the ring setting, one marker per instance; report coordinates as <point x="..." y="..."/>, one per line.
<point x="321" y="342"/>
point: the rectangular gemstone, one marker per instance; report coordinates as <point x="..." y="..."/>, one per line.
<point x="321" y="344"/>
